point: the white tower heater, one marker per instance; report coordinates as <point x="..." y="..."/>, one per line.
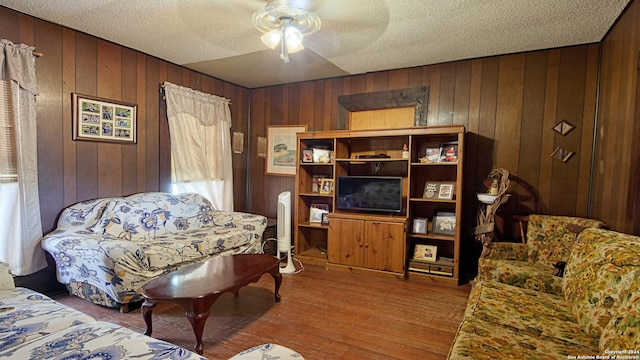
<point x="284" y="231"/>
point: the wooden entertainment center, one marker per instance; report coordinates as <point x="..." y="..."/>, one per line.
<point x="378" y="242"/>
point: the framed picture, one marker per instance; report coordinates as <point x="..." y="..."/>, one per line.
<point x="431" y="154"/>
<point x="327" y="186"/>
<point x="419" y="226"/>
<point x="97" y="119"/>
<point x="281" y="149"/>
<point x="449" y="152"/>
<point x="445" y="191"/>
<point x="322" y="156"/>
<point x="316" y="211"/>
<point x="307" y="155"/>
<point x="431" y="189"/>
<point x="325" y="219"/>
<point x="425" y="252"/>
<point x="316" y="183"/>
<point x="444" y="223"/>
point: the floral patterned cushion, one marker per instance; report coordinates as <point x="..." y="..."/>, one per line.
<point x="550" y="240"/>
<point x="600" y="276"/>
<point x="521" y="273"/>
<point x="541" y="314"/>
<point x="483" y="340"/>
<point x="623" y="330"/>
<point x="26" y="315"/>
<point x="98" y="340"/>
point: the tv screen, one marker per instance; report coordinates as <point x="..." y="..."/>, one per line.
<point x="369" y="193"/>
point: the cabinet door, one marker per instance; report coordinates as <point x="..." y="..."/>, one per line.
<point x="345" y="243"/>
<point x="384" y="246"/>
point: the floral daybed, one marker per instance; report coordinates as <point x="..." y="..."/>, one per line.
<point x="596" y="314"/>
<point x="33" y="326"/>
<point x="106" y="249"/>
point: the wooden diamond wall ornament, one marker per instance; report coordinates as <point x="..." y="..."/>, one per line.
<point x="564" y="127"/>
<point x="562" y="154"/>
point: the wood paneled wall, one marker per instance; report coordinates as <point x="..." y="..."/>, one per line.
<point x="616" y="178"/>
<point x="509" y="105"/>
<point x="72" y="171"/>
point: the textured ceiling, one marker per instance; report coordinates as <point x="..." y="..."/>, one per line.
<point x="216" y="37"/>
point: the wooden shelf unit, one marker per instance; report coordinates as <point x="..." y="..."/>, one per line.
<point x="380" y="244"/>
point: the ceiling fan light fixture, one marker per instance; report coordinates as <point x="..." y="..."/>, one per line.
<point x="272" y="38"/>
<point x="286" y="24"/>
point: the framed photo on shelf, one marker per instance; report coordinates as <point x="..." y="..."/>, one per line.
<point x="97" y="119"/>
<point x="419" y="226"/>
<point x="425" y="252"/>
<point x="316" y="183"/>
<point x="432" y="154"/>
<point x="307" y="155"/>
<point x="327" y="186"/>
<point x="325" y="219"/>
<point x="431" y="189"/>
<point x="449" y="152"/>
<point x="322" y="156"/>
<point x="444" y="223"/>
<point x="316" y="211"/>
<point x="445" y="191"/>
<point x="281" y="149"/>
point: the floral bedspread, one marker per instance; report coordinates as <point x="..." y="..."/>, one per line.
<point x="116" y="245"/>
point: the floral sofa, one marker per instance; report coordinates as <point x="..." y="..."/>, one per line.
<point x="106" y="249"/>
<point x="596" y="314"/>
<point x="33" y="326"/>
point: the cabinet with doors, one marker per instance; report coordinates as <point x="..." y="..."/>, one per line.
<point x="377" y="235"/>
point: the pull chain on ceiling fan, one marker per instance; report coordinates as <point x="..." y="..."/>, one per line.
<point x="285" y="23"/>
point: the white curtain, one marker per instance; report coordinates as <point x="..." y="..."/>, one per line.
<point x="20" y="227"/>
<point x="200" y="132"/>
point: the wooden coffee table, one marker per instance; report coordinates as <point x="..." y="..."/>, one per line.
<point x="197" y="286"/>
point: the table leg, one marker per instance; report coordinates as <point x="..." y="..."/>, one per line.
<point x="147" y="309"/>
<point x="197" y="321"/>
<point x="277" y="277"/>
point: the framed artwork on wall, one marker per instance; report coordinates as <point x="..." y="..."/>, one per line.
<point x="281" y="149"/>
<point x="98" y="119"/>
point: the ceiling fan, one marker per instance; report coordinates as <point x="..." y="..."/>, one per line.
<point x="326" y="27"/>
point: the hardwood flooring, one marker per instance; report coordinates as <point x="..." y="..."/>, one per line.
<point x="323" y="315"/>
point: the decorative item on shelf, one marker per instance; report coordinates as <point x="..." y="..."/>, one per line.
<point x="405" y="151"/>
<point x="325" y="219"/>
<point x="307" y="155"/>
<point x="322" y="156"/>
<point x="327" y="186"/>
<point x="316" y="183"/>
<point x="444" y="223"/>
<point x="449" y="152"/>
<point x="442" y="190"/>
<point x="484" y="231"/>
<point x="419" y="226"/>
<point x="432" y="154"/>
<point x="425" y="253"/>
<point x="316" y="211"/>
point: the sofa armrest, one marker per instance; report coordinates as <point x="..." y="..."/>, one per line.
<point x="6" y="279"/>
<point x="508" y="251"/>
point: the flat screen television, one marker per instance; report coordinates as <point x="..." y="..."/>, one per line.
<point x="379" y="194"/>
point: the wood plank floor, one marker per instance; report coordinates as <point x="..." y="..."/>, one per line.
<point x="323" y="315"/>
